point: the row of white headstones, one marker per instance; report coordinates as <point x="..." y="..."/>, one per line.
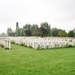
<point x="6" y="43"/>
<point x="43" y="43"/>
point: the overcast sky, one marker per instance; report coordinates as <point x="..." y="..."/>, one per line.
<point x="58" y="13"/>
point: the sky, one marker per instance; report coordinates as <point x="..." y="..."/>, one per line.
<point x="58" y="13"/>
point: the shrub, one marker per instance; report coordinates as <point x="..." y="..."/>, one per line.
<point x="42" y="47"/>
<point x="70" y="40"/>
<point x="66" y="45"/>
<point x="38" y="47"/>
<point x="13" y="42"/>
<point x="2" y="45"/>
<point x="69" y="45"/>
<point x="6" y="48"/>
<point x="74" y="44"/>
<point x="47" y="47"/>
<point x="21" y="44"/>
<point x="30" y="46"/>
<point x="56" y="45"/>
<point x="25" y="45"/>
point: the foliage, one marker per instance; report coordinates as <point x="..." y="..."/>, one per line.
<point x="70" y="40"/>
<point x="2" y="45"/>
<point x="70" y="45"/>
<point x="54" y="31"/>
<point x="17" y="29"/>
<point x="9" y="31"/>
<point x="3" y="34"/>
<point x="22" y="44"/>
<point x="47" y="47"/>
<point x="46" y="26"/>
<point x="74" y="44"/>
<point x="37" y="32"/>
<point x="13" y="42"/>
<point x="6" y="48"/>
<point x="67" y="45"/>
<point x="28" y="32"/>
<point x="71" y="33"/>
<point x="25" y="45"/>
<point x="27" y="27"/>
<point x="34" y="27"/>
<point x="29" y="46"/>
<point x="62" y="33"/>
<point x="39" y="47"/>
<point x="44" y="30"/>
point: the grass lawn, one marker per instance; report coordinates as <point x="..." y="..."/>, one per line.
<point x="26" y="61"/>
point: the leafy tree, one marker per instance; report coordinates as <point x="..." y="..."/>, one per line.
<point x="3" y="34"/>
<point x="62" y="33"/>
<point x="34" y="27"/>
<point x="74" y="31"/>
<point x="9" y="31"/>
<point x="43" y="31"/>
<point x="37" y="32"/>
<point x="28" y="32"/>
<point x="46" y="26"/>
<point x="54" y="31"/>
<point x="20" y="30"/>
<point x="27" y="27"/>
<point x="71" y="33"/>
<point x="13" y="33"/>
<point x="17" y="29"/>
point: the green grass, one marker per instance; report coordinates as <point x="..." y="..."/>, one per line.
<point x="26" y="61"/>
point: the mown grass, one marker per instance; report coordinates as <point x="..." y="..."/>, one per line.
<point x="26" y="61"/>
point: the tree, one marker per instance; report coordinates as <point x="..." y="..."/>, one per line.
<point x="43" y="31"/>
<point x="9" y="31"/>
<point x="34" y="27"/>
<point x="17" y="29"/>
<point x="62" y="33"/>
<point x="28" y="32"/>
<point x="13" y="33"/>
<point x="27" y="27"/>
<point x="3" y="34"/>
<point x="71" y="33"/>
<point x="46" y="26"/>
<point x="74" y="31"/>
<point x="21" y="32"/>
<point x="54" y="31"/>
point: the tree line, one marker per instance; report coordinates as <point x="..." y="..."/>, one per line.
<point x="44" y="30"/>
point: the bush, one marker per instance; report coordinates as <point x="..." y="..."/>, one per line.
<point x="22" y="44"/>
<point x="2" y="45"/>
<point x="47" y="47"/>
<point x="66" y="45"/>
<point x="30" y="46"/>
<point x="6" y="48"/>
<point x="25" y="45"/>
<point x="42" y="47"/>
<point x="70" y="40"/>
<point x="69" y="45"/>
<point x="38" y="47"/>
<point x="13" y="42"/>
<point x="74" y="44"/>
